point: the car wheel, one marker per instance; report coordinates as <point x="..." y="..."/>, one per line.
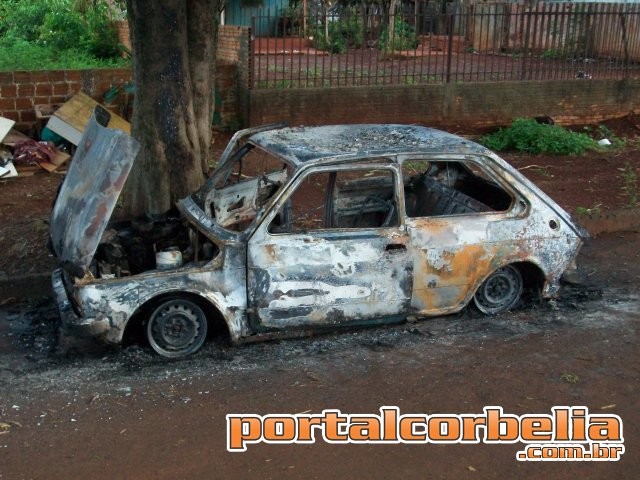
<point x="177" y="328"/>
<point x="500" y="291"/>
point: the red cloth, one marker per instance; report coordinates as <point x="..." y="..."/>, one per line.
<point x="31" y="152"/>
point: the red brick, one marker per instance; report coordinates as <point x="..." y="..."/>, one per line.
<point x="22" y="77"/>
<point x="24" y="103"/>
<point x="15" y="116"/>
<point x="6" y="78"/>
<point x="43" y="89"/>
<point x="58" y="99"/>
<point x="26" y="128"/>
<point x="57" y="75"/>
<point x="7" y="104"/>
<point x="73" y="75"/>
<point x="41" y="100"/>
<point x="8" y="91"/>
<point x="101" y="88"/>
<point x="27" y="116"/>
<point x="40" y="76"/>
<point x="60" y="88"/>
<point x="26" y="90"/>
<point x="75" y="87"/>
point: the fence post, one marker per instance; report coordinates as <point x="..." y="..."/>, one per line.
<point x="451" y="22"/>
<point x="256" y="68"/>
<point x="250" y="63"/>
<point x="525" y="50"/>
<point x="625" y="45"/>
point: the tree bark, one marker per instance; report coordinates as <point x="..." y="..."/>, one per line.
<point x="174" y="46"/>
<point x="393" y="7"/>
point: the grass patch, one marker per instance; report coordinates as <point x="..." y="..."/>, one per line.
<point x="22" y="55"/>
<point x="630" y="187"/>
<point x="583" y="211"/>
<point x="527" y="135"/>
<point x="59" y="34"/>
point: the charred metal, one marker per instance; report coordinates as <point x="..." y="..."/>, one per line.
<point x="305" y="228"/>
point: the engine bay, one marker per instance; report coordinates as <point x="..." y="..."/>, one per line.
<point x="145" y="244"/>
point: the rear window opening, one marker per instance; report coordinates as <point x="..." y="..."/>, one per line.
<point x="443" y="188"/>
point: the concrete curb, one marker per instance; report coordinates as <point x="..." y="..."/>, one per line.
<point x="37" y="285"/>
<point x="23" y="287"/>
<point x="626" y="220"/>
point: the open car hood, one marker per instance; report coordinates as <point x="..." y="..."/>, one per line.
<point x="90" y="191"/>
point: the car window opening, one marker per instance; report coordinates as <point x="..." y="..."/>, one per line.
<point x="450" y="188"/>
<point x="248" y="181"/>
<point x="345" y="199"/>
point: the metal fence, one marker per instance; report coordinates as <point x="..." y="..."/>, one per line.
<point x="438" y="42"/>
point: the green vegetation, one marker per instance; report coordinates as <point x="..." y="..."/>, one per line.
<point x="277" y="84"/>
<point x="52" y="34"/>
<point x="630" y="185"/>
<point x="527" y="135"/>
<point x="595" y="210"/>
<point x="570" y="377"/>
<point x="27" y="56"/>
<point x="404" y="37"/>
<point x="551" y="54"/>
<point x="346" y="32"/>
<point x="605" y="132"/>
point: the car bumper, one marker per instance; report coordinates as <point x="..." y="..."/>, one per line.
<point x="72" y="323"/>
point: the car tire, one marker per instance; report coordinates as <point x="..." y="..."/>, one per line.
<point x="500" y="292"/>
<point x="177" y="328"/>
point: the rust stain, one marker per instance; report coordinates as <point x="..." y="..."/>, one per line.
<point x="270" y="251"/>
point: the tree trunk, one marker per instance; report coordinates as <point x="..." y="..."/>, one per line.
<point x="174" y="46"/>
<point x="393" y="7"/>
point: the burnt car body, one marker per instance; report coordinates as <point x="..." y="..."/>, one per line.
<point x="306" y="228"/>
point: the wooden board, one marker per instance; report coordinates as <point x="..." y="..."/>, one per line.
<point x="5" y="127"/>
<point x="27" y="170"/>
<point x="14" y="137"/>
<point x="60" y="159"/>
<point x="70" y="120"/>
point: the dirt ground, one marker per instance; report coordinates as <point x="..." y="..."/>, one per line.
<point x="273" y="68"/>
<point x="76" y="409"/>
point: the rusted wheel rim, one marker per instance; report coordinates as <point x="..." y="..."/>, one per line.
<point x="500" y="291"/>
<point x="177" y="328"/>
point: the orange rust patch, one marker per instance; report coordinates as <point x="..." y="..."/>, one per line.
<point x="446" y="285"/>
<point x="270" y="250"/>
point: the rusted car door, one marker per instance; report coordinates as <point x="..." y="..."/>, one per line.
<point x="351" y="267"/>
<point x="461" y="223"/>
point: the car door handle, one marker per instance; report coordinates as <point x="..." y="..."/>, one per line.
<point x="395" y="248"/>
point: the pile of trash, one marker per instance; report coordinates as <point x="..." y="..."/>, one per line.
<point x="23" y="155"/>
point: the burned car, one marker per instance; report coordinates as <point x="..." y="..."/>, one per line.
<point x="304" y="229"/>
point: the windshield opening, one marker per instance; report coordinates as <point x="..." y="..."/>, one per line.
<point x="243" y="185"/>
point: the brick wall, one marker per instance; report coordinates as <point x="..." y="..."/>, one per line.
<point x="479" y="104"/>
<point x="230" y="40"/>
<point x="20" y="91"/>
<point x="122" y="27"/>
<point x="226" y="103"/>
<point x="473" y="104"/>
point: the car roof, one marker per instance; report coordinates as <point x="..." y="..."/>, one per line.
<point x="310" y="144"/>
